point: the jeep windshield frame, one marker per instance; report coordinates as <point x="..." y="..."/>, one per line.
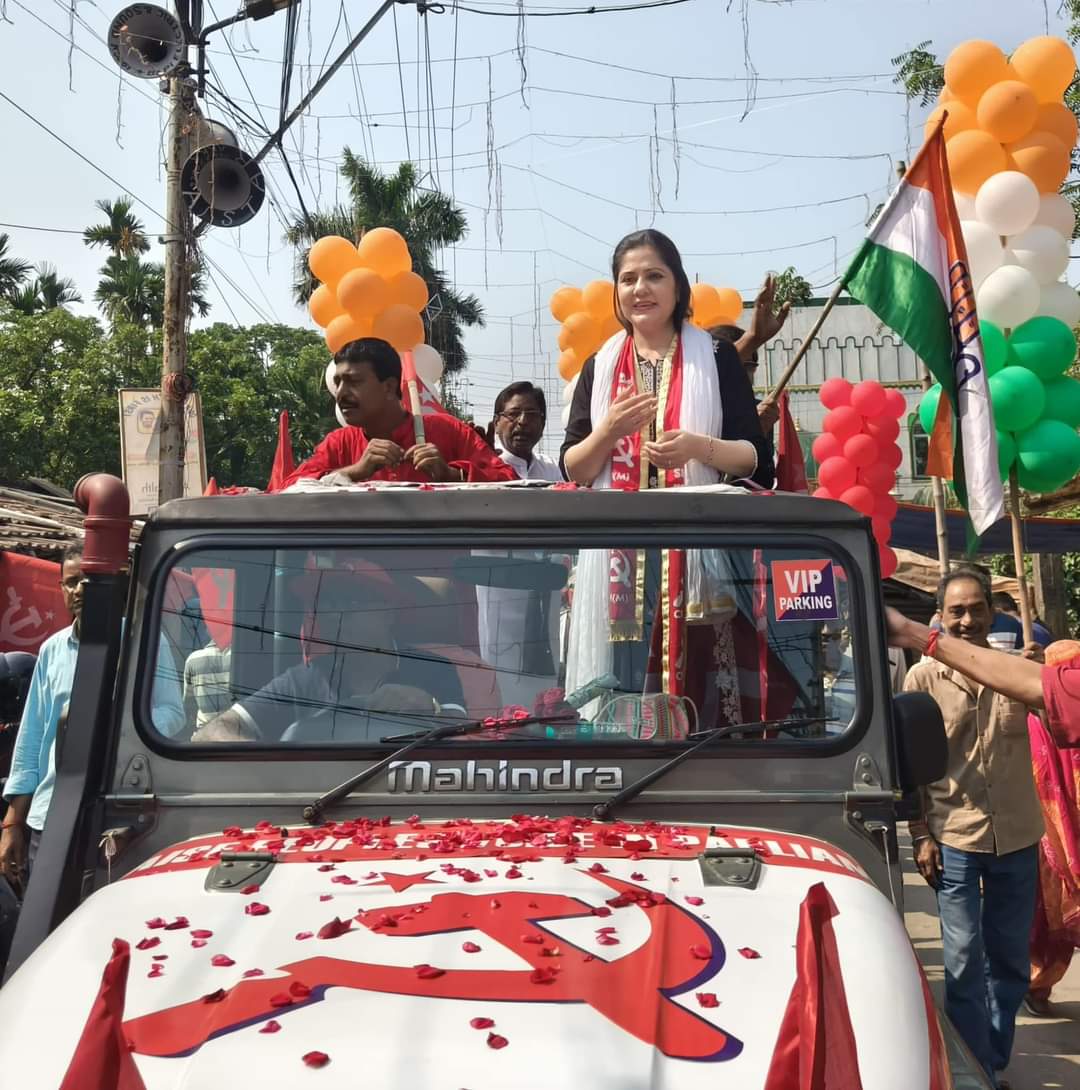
<point x="581" y="521"/>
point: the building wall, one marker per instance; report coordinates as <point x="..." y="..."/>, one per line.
<point x="853" y="344"/>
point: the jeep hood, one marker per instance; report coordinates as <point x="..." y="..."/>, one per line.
<point x="522" y="955"/>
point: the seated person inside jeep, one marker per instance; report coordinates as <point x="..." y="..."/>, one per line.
<point x="352" y="645"/>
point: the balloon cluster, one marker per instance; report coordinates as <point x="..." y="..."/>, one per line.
<point x="858" y="456"/>
<point x="1036" y="407"/>
<point x="588" y="317"/>
<point x="367" y="290"/>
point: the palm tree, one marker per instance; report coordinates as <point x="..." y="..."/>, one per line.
<point x="123" y="233"/>
<point x="45" y="292"/>
<point x="133" y="290"/>
<point x="13" y="270"/>
<point x="428" y="220"/>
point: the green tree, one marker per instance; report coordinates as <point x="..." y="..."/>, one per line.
<point x="13" y="270"/>
<point x="47" y="291"/>
<point x="122" y="232"/>
<point x="792" y="288"/>
<point x="428" y="221"/>
<point x="133" y="290"/>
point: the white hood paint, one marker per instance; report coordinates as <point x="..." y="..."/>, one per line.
<point x="602" y="1023"/>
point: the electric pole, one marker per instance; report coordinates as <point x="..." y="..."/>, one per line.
<point x="175" y="382"/>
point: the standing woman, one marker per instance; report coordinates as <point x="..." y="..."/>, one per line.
<point x="659" y="396"/>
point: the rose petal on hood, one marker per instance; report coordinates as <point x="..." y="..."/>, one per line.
<point x="148" y="943"/>
<point x="708" y="999"/>
<point x="271" y="1027"/>
<point x="749" y="952"/>
<point x="256" y="908"/>
<point x="222" y="961"/>
<point x="481" y="1023"/>
<point x="316" y="1059"/>
<point x="334" y="929"/>
<point x="496" y="1040"/>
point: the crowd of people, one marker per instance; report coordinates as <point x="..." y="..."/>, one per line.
<point x="662" y="405"/>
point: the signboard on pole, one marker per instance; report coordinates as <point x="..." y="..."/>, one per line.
<point x="140" y="428"/>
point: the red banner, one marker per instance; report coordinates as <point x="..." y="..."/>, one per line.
<point x="31" y="604"/>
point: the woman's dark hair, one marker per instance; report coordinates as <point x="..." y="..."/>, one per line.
<point x="976" y="576"/>
<point x="669" y="254"/>
<point x="522" y="389"/>
<point x="381" y="355"/>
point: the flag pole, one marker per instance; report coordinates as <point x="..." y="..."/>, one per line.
<point x="937" y="488"/>
<point x="785" y="378"/>
<point x="408" y="373"/>
<point x="1018" y="554"/>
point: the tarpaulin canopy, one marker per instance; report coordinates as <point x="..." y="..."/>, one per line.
<point x="913" y="528"/>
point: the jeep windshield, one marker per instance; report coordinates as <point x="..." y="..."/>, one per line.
<point x="359" y="646"/>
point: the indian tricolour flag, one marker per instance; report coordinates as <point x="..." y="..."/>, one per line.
<point x="912" y="272"/>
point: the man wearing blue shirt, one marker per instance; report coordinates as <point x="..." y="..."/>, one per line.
<point x="29" y="787"/>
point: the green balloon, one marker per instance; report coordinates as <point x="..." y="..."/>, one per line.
<point x="1018" y="398"/>
<point x="1043" y="345"/>
<point x="1063" y="401"/>
<point x="995" y="348"/>
<point x="1006" y="445"/>
<point x="928" y="407"/>
<point x="1047" y="454"/>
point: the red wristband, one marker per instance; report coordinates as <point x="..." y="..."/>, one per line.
<point x="931" y="643"/>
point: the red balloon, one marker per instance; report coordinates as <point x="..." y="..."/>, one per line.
<point x="885" y="429"/>
<point x="887" y="560"/>
<point x="882" y="529"/>
<point x="891" y="455"/>
<point x="826" y="446"/>
<point x="835" y="392"/>
<point x="877" y="476"/>
<point x="823" y="494"/>
<point x="837" y="475"/>
<point x="843" y="422"/>
<point x="868" y="398"/>
<point x="895" y="403"/>
<point x="861" y="450"/>
<point x="885" y="507"/>
<point x="860" y="498"/>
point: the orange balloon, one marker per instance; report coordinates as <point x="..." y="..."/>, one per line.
<point x="409" y="288"/>
<point x="564" y="302"/>
<point x="731" y="306"/>
<point x="1043" y="158"/>
<point x="598" y="297"/>
<point x="569" y="364"/>
<point x="400" y="325"/>
<point x="386" y="251"/>
<point x="972" y="67"/>
<point x="583" y="334"/>
<point x="1057" y="118"/>
<point x="323" y="305"/>
<point x="961" y="117"/>
<point x="973" y="156"/>
<point x="945" y="95"/>
<point x="331" y="257"/>
<point x="362" y="293"/>
<point x="1046" y="65"/>
<point x="704" y="304"/>
<point x="1007" y="110"/>
<point x="343" y="329"/>
<point x="610" y="326"/>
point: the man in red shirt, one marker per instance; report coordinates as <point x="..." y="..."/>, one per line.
<point x="379" y="444"/>
<point x="1054" y="688"/>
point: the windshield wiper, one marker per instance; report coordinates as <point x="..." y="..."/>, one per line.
<point x="468" y="725"/>
<point x="602" y="810"/>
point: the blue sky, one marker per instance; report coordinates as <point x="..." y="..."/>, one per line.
<point x="580" y="162"/>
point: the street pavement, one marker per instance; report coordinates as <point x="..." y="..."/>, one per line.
<point x="1047" y="1051"/>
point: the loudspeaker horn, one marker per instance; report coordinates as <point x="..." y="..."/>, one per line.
<point x="223" y="185"/>
<point x="147" y="41"/>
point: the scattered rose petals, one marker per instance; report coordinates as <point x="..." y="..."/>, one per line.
<point x="156" y="970"/>
<point x="148" y="944"/>
<point x="496" y="1040"/>
<point x="749" y="952"/>
<point x="316" y="1059"/>
<point x="271" y="1027"/>
<point x="491" y="873"/>
<point x="326" y="896"/>
<point x="254" y="972"/>
<point x="544" y="976"/>
<point x="160" y="957"/>
<point x="281" y="999"/>
<point x="214" y="997"/>
<point x="256" y="908"/>
<point x="470" y="948"/>
<point x="344" y="880"/>
<point x="299" y="989"/>
<point x="222" y="961"/>
<point x="602" y="910"/>
<point x="198" y="943"/>
<point x="481" y="1023"/>
<point x="607" y="940"/>
<point x="535" y="940"/>
<point x="251" y="889"/>
<point x="327" y="866"/>
<point x="177" y="925"/>
<point x="301" y="935"/>
<point x="232" y="830"/>
<point x="708" y="999"/>
<point x="598" y="868"/>
<point x="695" y="900"/>
<point x="334" y="929"/>
<point x="495" y="903"/>
<point x="428" y="972"/>
<point x="156" y="922"/>
<point x="637" y="876"/>
<point x="513" y="872"/>
<point x="701" y="951"/>
<point x="202" y="933"/>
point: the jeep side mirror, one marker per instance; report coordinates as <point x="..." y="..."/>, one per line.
<point x="921" y="749"/>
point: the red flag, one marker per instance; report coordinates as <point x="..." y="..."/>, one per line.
<point x="283" y="456"/>
<point x="212" y="488"/>
<point x="815" y="1049"/>
<point x="32" y="606"/>
<point x="790" y="465"/>
<point x="102" y="1057"/>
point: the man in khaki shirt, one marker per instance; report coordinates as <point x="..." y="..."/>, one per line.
<point x="977" y="844"/>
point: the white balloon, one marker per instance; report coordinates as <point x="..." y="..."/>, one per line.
<point x="330" y="377"/>
<point x="429" y="364"/>
<point x="1056" y="211"/>
<point x="340" y="418"/>
<point x="1042" y="251"/>
<point x="569" y="388"/>
<point x="965" y="205"/>
<point x="1007" y="202"/>
<point x="1008" y="296"/>
<point x="1060" y="301"/>
<point x="983" y="249"/>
